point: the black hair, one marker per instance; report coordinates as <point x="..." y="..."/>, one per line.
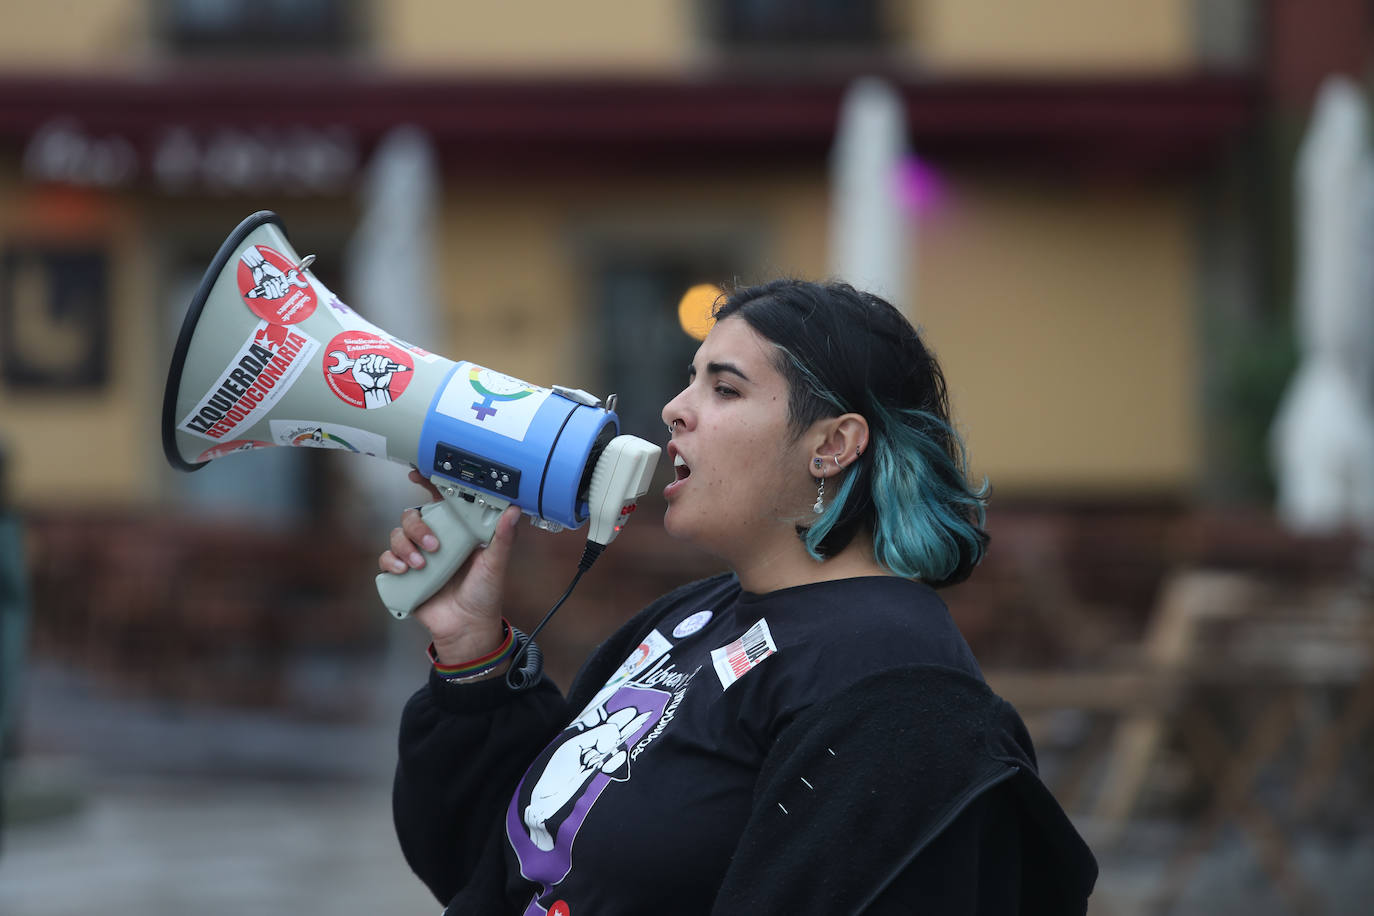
<point x="846" y="351"/>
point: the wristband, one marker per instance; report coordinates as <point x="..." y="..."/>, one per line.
<point x="477" y="667"/>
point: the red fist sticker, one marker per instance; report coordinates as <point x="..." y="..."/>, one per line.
<point x="273" y="288"/>
<point x="365" y="370"/>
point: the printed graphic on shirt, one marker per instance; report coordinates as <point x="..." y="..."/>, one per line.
<point x="734" y="661"/>
<point x="566" y="780"/>
<point x="645" y="654"/>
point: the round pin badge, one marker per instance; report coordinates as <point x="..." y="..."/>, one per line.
<point x="692" y="624"/>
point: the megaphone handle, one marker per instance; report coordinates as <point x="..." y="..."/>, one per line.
<point x="460" y="525"/>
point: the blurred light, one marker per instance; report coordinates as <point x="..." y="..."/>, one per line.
<point x="694" y="311"/>
<point x="921" y="189"/>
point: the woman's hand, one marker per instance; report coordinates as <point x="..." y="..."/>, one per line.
<point x="464" y="616"/>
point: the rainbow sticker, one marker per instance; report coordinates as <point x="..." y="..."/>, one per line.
<point x="491" y="400"/>
<point x="309" y="434"/>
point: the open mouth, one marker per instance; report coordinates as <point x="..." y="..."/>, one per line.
<point x="681" y="469"/>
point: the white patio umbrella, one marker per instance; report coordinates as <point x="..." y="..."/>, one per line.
<point x="389" y="276"/>
<point x="1323" y="435"/>
<point x="870" y="241"/>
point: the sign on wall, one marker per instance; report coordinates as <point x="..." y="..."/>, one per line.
<point x="180" y="159"/>
<point x="54" y="317"/>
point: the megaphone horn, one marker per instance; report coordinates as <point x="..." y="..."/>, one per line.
<point x="268" y="356"/>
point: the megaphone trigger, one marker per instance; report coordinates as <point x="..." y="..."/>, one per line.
<point x="462" y="521"/>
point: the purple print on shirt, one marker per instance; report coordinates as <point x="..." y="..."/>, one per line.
<point x="566" y="779"/>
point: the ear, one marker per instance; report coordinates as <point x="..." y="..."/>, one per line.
<point x="839" y="442"/>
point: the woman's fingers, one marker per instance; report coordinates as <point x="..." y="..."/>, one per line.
<point x="417" y="530"/>
<point x="496" y="555"/>
<point x="388" y="562"/>
<point x="404" y="544"/>
<point x="416" y="477"/>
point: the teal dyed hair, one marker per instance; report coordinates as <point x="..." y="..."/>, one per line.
<point x="928" y="520"/>
<point x="844" y="351"/>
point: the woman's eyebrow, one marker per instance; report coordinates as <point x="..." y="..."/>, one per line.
<point x="718" y="368"/>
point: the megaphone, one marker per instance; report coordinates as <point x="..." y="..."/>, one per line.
<point x="268" y="356"/>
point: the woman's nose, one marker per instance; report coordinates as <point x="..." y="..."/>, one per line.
<point x="674" y="413"/>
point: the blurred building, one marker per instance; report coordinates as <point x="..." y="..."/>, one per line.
<point x="1085" y="227"/>
<point x="599" y="159"/>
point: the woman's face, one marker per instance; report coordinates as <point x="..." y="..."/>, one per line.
<point x="742" y="481"/>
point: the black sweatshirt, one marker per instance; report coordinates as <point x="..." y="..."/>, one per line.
<point x="828" y="749"/>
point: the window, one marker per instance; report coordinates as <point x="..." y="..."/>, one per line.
<point x="54" y="317"/>
<point x="782" y="24"/>
<point x="258" y="28"/>
<point x="645" y="352"/>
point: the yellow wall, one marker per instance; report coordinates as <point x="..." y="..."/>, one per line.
<point x="1065" y="321"/>
<point x="516" y="255"/>
<point x="1063" y="317"/>
<point x="651" y="35"/>
<point x="76" y="34"/>
<point x="1050" y="35"/>
<point x="535" y="35"/>
<point x="89" y="446"/>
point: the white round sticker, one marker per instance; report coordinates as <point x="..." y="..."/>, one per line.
<point x="691" y="624"/>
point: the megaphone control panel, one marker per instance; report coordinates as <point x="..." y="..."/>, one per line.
<point x="476" y="471"/>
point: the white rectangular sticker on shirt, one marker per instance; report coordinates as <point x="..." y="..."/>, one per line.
<point x="645" y="654"/>
<point x="491" y="400"/>
<point x="734" y="661"/>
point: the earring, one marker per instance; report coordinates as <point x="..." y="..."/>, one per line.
<point x="817" y="463"/>
<point x="819" y="507"/>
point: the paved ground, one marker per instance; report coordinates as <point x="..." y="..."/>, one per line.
<point x="131" y="808"/>
<point x="134" y="808"/>
<point x="214" y="849"/>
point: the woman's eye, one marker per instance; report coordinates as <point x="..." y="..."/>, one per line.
<point x="726" y="391"/>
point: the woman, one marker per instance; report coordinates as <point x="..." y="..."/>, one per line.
<point x="808" y="733"/>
